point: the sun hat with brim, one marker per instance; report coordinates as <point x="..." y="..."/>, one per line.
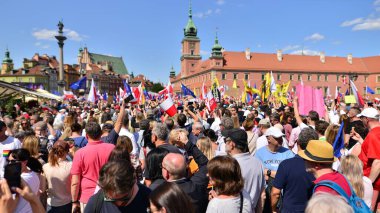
<point x="318" y="151"/>
<point x="369" y="113"/>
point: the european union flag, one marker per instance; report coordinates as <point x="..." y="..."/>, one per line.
<point x="81" y="84"/>
<point x="187" y="91"/>
<point x="339" y="142"/>
<point x="369" y="90"/>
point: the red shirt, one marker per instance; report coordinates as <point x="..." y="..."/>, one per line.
<point x="87" y="163"/>
<point x="370" y="152"/>
<point x="338" y="179"/>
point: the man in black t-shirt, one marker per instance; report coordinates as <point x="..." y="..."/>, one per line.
<point x="119" y="190"/>
<point x="356" y="123"/>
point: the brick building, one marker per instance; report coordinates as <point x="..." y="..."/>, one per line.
<point x="318" y="71"/>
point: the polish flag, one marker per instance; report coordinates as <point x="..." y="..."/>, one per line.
<point x="92" y="95"/>
<point x="169" y="107"/>
<point x="203" y="92"/>
<point x="68" y="95"/>
<point x="210" y="102"/>
<point x="358" y="97"/>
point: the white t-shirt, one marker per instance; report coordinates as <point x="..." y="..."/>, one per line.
<point x="9" y="144"/>
<point x="31" y="178"/>
<point x="368" y="190"/>
<point x="125" y="132"/>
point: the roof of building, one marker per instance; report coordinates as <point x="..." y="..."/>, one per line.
<point x="117" y="63"/>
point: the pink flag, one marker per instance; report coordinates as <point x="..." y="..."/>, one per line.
<point x="169" y="107"/>
<point x="319" y="104"/>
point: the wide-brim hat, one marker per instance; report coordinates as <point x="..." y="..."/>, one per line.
<point x="318" y="151"/>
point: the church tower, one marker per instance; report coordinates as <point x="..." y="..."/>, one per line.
<point x="7" y="64"/>
<point x="217" y="53"/>
<point x="190" y="47"/>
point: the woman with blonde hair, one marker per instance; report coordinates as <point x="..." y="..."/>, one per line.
<point x="31" y="143"/>
<point x="331" y="133"/>
<point x="204" y="144"/>
<point x="352" y="168"/>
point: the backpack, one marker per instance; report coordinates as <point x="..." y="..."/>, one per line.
<point x="357" y="204"/>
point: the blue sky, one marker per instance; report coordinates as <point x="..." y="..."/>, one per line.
<point x="148" y="34"/>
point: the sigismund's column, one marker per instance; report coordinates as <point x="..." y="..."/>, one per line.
<point x="61" y="38"/>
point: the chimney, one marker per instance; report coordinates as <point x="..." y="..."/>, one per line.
<point x="322" y="57"/>
<point x="248" y="54"/>
<point x="349" y="58"/>
<point x="279" y="55"/>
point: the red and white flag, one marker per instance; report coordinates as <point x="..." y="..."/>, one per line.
<point x="210" y="102"/>
<point x="67" y="95"/>
<point x="169" y="107"/>
<point x="92" y="95"/>
<point x="203" y="92"/>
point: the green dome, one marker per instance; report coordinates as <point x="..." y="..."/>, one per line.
<point x="80" y="52"/>
<point x="190" y="29"/>
<point x="7" y="59"/>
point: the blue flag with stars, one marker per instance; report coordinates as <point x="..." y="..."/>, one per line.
<point x="187" y="91"/>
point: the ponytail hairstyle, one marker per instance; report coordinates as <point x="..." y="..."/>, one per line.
<point x="59" y="150"/>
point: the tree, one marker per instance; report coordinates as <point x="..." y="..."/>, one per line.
<point x="157" y="87"/>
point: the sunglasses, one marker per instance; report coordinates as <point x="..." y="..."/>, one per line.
<point x="124" y="199"/>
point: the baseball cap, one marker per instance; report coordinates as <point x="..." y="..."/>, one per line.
<point x="236" y="135"/>
<point x="275" y="132"/>
<point x="264" y="122"/>
<point x="369" y="113"/>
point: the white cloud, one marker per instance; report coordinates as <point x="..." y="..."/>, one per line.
<point x="205" y="52"/>
<point x="46" y="34"/>
<point x="290" y="47"/>
<point x="368" y="24"/>
<point x="315" y="37"/>
<point x="376" y="3"/>
<point x="352" y="22"/>
<point x="40" y="45"/>
<point x="207" y="13"/>
<point x="305" y="52"/>
<point x="220" y="2"/>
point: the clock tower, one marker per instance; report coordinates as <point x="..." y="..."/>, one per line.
<point x="190" y="47"/>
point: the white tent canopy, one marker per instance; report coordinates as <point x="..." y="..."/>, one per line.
<point x="8" y="89"/>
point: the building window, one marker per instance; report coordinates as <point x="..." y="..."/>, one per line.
<point x="325" y="90"/>
<point x="338" y="88"/>
<point x="191" y="52"/>
<point x="378" y="78"/>
<point x="318" y="77"/>
<point x="192" y="65"/>
<point x="246" y="76"/>
<point x="291" y="77"/>
<point x="262" y="77"/>
<point x="217" y="63"/>
<point x="309" y="77"/>
<point x="224" y="76"/>
<point x="326" y="77"/>
<point x="365" y="78"/>
<point x="377" y="90"/>
<point x="337" y="78"/>
<point x="235" y="76"/>
<point x="364" y="90"/>
<point x="299" y="77"/>
<point x="279" y="77"/>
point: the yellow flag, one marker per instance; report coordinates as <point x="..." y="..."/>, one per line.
<point x="285" y="87"/>
<point x="195" y="92"/>
<point x="244" y="97"/>
<point x="215" y="84"/>
<point x="234" y="85"/>
<point x="250" y="89"/>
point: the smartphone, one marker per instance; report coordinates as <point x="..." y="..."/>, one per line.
<point x="12" y="173"/>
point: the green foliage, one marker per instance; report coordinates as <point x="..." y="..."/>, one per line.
<point x="156" y="87"/>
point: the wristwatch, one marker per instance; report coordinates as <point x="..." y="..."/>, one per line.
<point x="269" y="172"/>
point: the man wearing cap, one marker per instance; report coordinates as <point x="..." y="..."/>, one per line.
<point x="262" y="141"/>
<point x="319" y="157"/>
<point x="251" y="169"/>
<point x="370" y="151"/>
<point x="271" y="156"/>
<point x="292" y="178"/>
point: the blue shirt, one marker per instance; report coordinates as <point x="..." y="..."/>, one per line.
<point x="296" y="183"/>
<point x="272" y="160"/>
<point x="80" y="141"/>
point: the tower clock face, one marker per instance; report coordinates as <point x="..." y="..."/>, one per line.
<point x="192" y="45"/>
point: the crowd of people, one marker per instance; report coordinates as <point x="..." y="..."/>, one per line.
<point x="256" y="157"/>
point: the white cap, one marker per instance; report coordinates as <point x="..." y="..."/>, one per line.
<point x="275" y="132"/>
<point x="369" y="113"/>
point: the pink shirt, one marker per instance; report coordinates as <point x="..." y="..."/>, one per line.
<point x="87" y="163"/>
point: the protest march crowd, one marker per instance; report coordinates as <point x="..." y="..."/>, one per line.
<point x="190" y="155"/>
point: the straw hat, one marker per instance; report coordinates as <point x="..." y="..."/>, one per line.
<point x="318" y="151"/>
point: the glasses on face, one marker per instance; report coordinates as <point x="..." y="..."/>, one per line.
<point x="13" y="161"/>
<point x="226" y="140"/>
<point x="125" y="199"/>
